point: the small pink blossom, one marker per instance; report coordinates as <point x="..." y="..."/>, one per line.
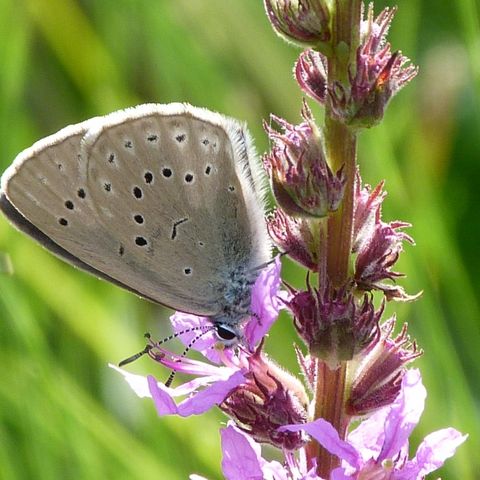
<point x="378" y="447"/>
<point x="209" y="388"/>
<point x="213" y="383"/>
<point x="196" y="404"/>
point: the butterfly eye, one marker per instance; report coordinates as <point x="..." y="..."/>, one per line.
<point x="225" y="333"/>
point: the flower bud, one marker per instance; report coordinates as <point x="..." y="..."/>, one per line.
<point x="378" y="75"/>
<point x="268" y="400"/>
<point x="334" y="326"/>
<point x="311" y="74"/>
<point x="378" y="379"/>
<point x="302" y="181"/>
<point x="293" y="236"/>
<point x="303" y="22"/>
<point x="377" y="244"/>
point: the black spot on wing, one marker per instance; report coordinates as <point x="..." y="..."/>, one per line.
<point x="32" y="231"/>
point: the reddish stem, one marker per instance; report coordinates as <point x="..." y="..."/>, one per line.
<point x="341" y="146"/>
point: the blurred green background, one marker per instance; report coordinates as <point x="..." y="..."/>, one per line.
<point x="63" y="412"/>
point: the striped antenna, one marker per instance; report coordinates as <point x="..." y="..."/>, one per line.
<point x="187" y="348"/>
<point x="152" y="344"/>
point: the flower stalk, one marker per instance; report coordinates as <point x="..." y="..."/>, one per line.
<point x="340" y="140"/>
<point x="341" y="148"/>
<point x="329" y="405"/>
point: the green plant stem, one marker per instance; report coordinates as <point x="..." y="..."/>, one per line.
<point x="341" y="148"/>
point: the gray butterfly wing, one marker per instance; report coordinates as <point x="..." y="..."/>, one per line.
<point x="160" y="199"/>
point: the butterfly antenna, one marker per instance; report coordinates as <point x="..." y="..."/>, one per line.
<point x="187" y="349"/>
<point x="131" y="359"/>
<point x="135" y="357"/>
<point x="152" y="344"/>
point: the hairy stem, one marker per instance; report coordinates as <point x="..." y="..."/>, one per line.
<point x="331" y="389"/>
<point x="341" y="147"/>
<point x="341" y="142"/>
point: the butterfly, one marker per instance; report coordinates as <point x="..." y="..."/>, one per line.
<point x="166" y="201"/>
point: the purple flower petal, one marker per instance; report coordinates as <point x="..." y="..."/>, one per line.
<point x="339" y="474"/>
<point x="404" y="414"/>
<point x="197" y="403"/>
<point x="210" y="396"/>
<point x="164" y="403"/>
<point x="241" y="456"/>
<point x="436" y="448"/>
<point x="369" y="436"/>
<point x="138" y="383"/>
<point x="193" y="367"/>
<point x="195" y="384"/>
<point x="324" y="433"/>
<point x="265" y="303"/>
<point x="275" y="471"/>
<point x="203" y="341"/>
